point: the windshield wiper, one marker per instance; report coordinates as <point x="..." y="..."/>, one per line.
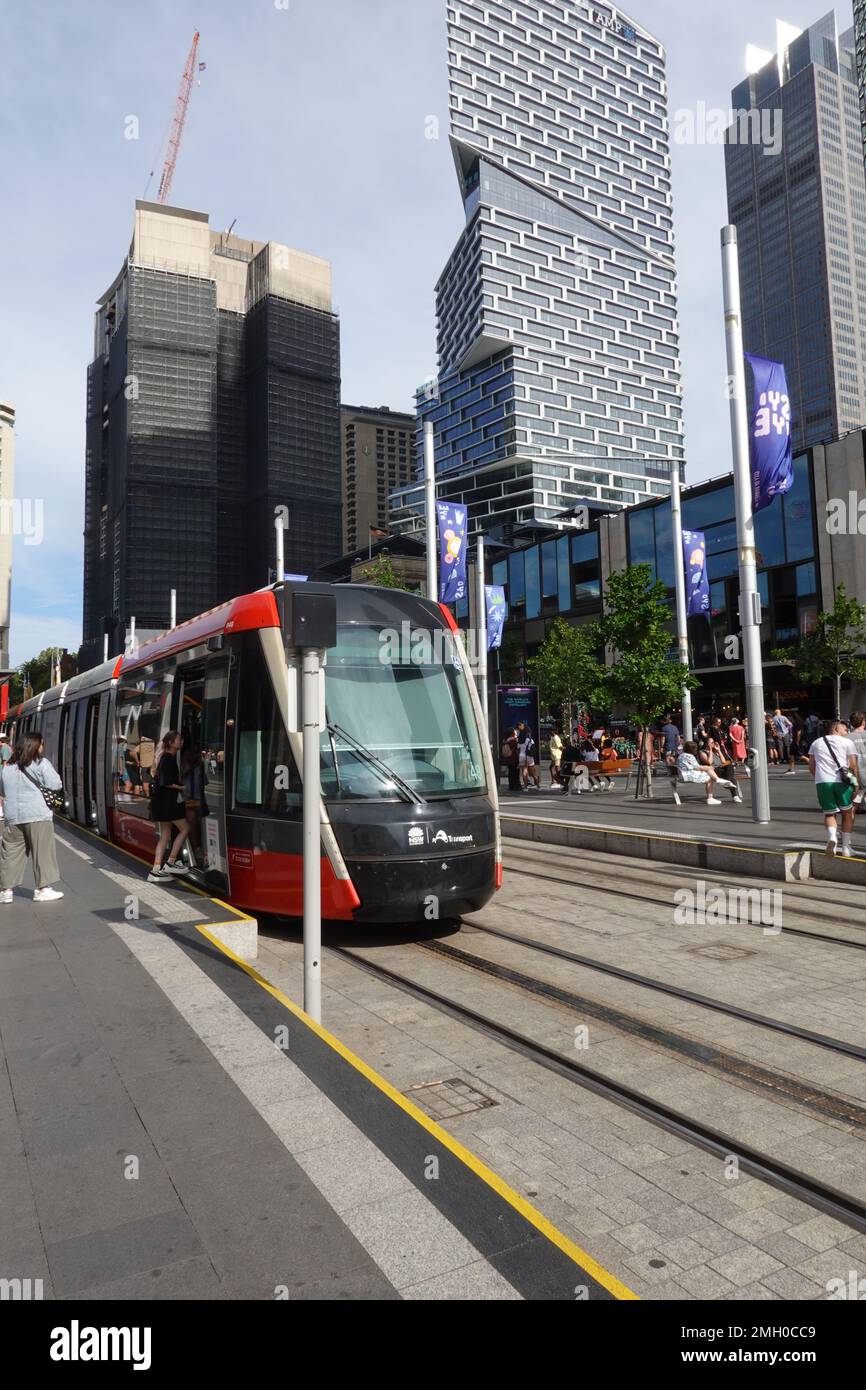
<point x="378" y="765"/>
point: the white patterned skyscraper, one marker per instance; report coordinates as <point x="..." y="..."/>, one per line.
<point x="559" y="373"/>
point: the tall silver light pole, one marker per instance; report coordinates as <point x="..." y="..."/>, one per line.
<point x="430" y="510"/>
<point x="312" y="831"/>
<point x="481" y="627"/>
<point x="172" y="619"/>
<point x="105" y="646"/>
<point x="281" y="562"/>
<point x="750" y="602"/>
<point x="680" y="585"/>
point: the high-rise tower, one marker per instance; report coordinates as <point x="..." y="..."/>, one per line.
<point x="557" y="322"/>
<point x="799" y="206"/>
<point x="212" y="399"/>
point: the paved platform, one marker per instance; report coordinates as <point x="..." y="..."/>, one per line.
<point x="797" y="821"/>
<point x="173" y="1127"/>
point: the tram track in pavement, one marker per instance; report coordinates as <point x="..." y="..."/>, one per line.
<point x="782" y="1176"/>
<point x="605" y="890"/>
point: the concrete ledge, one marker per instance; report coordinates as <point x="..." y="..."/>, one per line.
<point x="788" y="866"/>
<point x="241" y="937"/>
<point x="836" y="870"/>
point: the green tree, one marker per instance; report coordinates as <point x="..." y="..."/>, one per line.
<point x="382" y="572"/>
<point x="567" y="669"/>
<point x="644" y="677"/>
<point x="834" y="649"/>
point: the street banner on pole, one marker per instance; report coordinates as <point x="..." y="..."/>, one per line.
<point x="452" y="552"/>
<point x="697" y="581"/>
<point x="496" y="613"/>
<point x="770" y="430"/>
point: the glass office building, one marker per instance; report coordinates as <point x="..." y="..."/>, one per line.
<point x="557" y="322"/>
<point x="565" y="577"/>
<point x="800" y="214"/>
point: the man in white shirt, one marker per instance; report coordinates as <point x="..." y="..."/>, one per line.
<point x="857" y="725"/>
<point x="783" y="730"/>
<point x="831" y="757"/>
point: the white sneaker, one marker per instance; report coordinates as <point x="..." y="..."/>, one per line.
<point x="47" y="895"/>
<point x="158" y="876"/>
<point x="830" y="848"/>
<point x="6" y="895"/>
<point x="713" y="801"/>
<point x="738" y="800"/>
<point x="847" y="852"/>
<point x="178" y="869"/>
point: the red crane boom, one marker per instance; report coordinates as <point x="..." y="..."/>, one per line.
<point x="177" y="124"/>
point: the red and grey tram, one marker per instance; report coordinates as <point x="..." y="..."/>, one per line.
<point x="409" y="799"/>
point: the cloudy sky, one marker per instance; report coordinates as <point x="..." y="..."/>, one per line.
<point x="308" y="127"/>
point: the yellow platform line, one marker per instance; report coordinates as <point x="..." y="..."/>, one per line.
<point x="574" y="1252"/>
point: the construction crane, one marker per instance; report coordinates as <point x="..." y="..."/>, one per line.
<point x="178" y="121"/>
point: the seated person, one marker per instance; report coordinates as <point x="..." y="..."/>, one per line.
<point x="690" y="770"/>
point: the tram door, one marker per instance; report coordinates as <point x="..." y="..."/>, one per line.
<point x="202" y="722"/>
<point x="77" y="720"/>
<point x="100" y="736"/>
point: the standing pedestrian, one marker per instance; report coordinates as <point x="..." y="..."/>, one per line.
<point x="526" y="758"/>
<point x="5" y="755"/>
<point x="857" y="735"/>
<point x="29" y="832"/>
<point x="670" y="737"/>
<point x="168" y="808"/>
<point x="555" y="745"/>
<point x="782" y="731"/>
<point x="833" y="764"/>
<point x="508" y="756"/>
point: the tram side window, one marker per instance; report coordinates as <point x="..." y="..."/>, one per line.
<point x="137" y="727"/>
<point x="266" y="777"/>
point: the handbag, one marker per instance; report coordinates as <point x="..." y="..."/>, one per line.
<point x="845" y="773"/>
<point x="54" y="800"/>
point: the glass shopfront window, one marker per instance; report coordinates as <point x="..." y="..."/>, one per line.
<point x="533" y="584"/>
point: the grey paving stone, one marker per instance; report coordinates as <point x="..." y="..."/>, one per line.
<point x="788" y="1283"/>
<point x="476" y="1281"/>
<point x="408" y="1239"/>
<point x="179" y="1282"/>
<point x="349" y="1172"/>
<point x="820" y="1233"/>
<point x="82" y="1263"/>
<point x="743" y="1267"/>
<point x="85" y="1191"/>
<point x="701" y="1282"/>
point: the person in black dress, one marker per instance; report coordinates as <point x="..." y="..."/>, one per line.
<point x="168" y="808"/>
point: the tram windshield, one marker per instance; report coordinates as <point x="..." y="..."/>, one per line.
<point x="403" y="696"/>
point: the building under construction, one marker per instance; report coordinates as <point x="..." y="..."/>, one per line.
<point x="213" y="398"/>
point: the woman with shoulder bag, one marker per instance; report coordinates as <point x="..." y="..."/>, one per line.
<point x="168" y="808"/>
<point x="31" y="791"/>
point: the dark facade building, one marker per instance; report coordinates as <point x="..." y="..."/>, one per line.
<point x="378" y="456"/>
<point x="213" y="398"/>
<point x="797" y="195"/>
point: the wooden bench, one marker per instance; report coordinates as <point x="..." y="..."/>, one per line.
<point x="581" y="773"/>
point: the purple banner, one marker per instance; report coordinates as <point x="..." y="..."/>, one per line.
<point x="772" y="458"/>
<point x="497" y="611"/>
<point x="452" y="551"/>
<point x="697" y="581"/>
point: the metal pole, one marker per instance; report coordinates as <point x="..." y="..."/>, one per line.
<point x="281" y="561"/>
<point x="173" y="609"/>
<point x="312" y="834"/>
<point x="105" y="647"/>
<point x="430" y="510"/>
<point x="680" y="582"/>
<point x="481" y="631"/>
<point x="132" y="634"/>
<point x="750" y="602"/>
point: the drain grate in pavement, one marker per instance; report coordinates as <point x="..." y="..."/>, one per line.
<point x="720" y="950"/>
<point x="442" y="1100"/>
